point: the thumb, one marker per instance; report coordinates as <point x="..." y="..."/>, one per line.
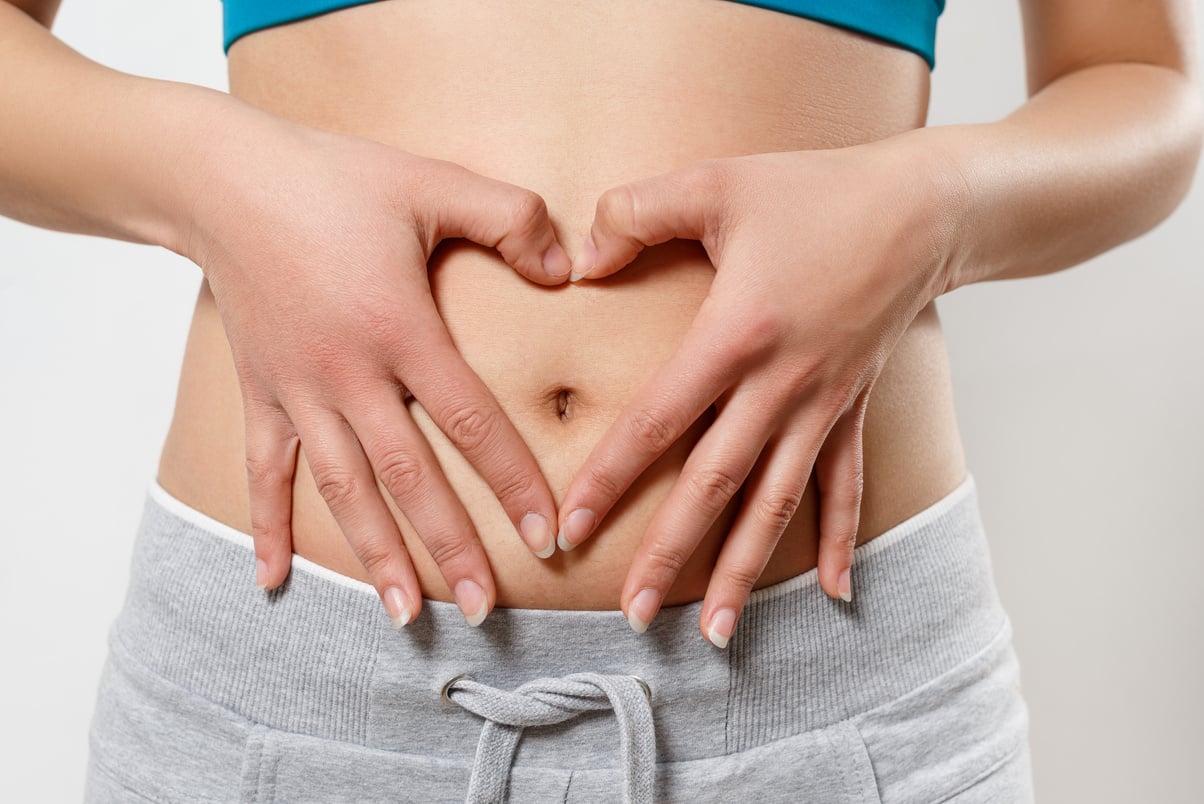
<point x="683" y="203"/>
<point x="512" y="219"/>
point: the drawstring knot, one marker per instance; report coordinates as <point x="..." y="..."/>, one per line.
<point x="546" y="701"/>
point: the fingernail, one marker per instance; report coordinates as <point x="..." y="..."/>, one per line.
<point x="722" y="626"/>
<point x="642" y="609"/>
<point x="556" y="262"/>
<point x="538" y="536"/>
<point x="395" y="605"/>
<point x="587" y="260"/>
<point x="577" y="526"/>
<point x="261" y="573"/>
<point x="470" y="597"/>
<point x="844" y="585"/>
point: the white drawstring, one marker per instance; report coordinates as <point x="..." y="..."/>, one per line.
<point x="546" y="701"/>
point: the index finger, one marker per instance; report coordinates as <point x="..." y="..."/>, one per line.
<point x="466" y="411"/>
<point x="664" y="408"/>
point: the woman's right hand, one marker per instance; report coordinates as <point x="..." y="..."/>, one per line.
<point x="315" y="245"/>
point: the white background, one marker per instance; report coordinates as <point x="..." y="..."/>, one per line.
<point x="1080" y="398"/>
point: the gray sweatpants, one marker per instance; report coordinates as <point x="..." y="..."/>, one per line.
<point x="216" y="691"/>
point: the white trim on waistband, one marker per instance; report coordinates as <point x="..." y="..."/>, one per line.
<point x="900" y="531"/>
<point x="208" y="524"/>
<point x="888" y="537"/>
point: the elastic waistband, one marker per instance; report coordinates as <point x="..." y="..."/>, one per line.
<point x="317" y="657"/>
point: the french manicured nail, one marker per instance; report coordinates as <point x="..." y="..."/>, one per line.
<point x="722" y="626"/>
<point x="395" y="605"/>
<point x="538" y="536"/>
<point x="261" y="573"/>
<point x="642" y="609"/>
<point x="844" y="585"/>
<point x="587" y="260"/>
<point x="577" y="526"/>
<point x="470" y="597"/>
<point x="556" y="262"/>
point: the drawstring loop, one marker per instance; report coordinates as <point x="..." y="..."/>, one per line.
<point x="544" y="702"/>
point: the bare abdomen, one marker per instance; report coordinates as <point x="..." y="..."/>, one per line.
<point x="569" y="99"/>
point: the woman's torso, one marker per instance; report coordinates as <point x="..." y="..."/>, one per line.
<point x="568" y="99"/>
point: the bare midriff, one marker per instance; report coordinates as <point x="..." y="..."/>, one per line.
<point x="569" y="99"/>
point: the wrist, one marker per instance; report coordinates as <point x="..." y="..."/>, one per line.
<point x="933" y="160"/>
<point x="213" y="152"/>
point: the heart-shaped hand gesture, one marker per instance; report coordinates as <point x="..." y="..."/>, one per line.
<point x="327" y="306"/>
<point x="823" y="259"/>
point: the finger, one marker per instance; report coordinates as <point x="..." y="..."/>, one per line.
<point x="839" y="475"/>
<point x="685" y="203"/>
<point x="711" y="477"/>
<point x="345" y="480"/>
<point x="512" y="219"/>
<point x="664" y="408"/>
<point x="464" y="408"/>
<point x="271" y="449"/>
<point x="772" y="494"/>
<point x="407" y="467"/>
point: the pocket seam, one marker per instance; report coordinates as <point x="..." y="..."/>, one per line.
<point x="985" y="774"/>
<point x="1012" y="744"/>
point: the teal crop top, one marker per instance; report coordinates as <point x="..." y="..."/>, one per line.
<point x="910" y="24"/>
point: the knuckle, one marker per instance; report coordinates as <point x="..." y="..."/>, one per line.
<point x="666" y="559"/>
<point x="844" y="537"/>
<point x="856" y="485"/>
<point x="761" y="330"/>
<point x="618" y="208"/>
<point x="376" y="323"/>
<point x="327" y="353"/>
<point x="776" y="508"/>
<point x="447" y="548"/>
<point x="741" y="576"/>
<point x="472" y="427"/>
<point x="513" y="484"/>
<point x="263" y="473"/>
<point x="375" y="556"/>
<point x="652" y="430"/>
<point x="601" y="479"/>
<point x="529" y="212"/>
<point x="710" y="487"/>
<point x="265" y="531"/>
<point x="842" y="534"/>
<point x="400" y="471"/>
<point x="338" y="487"/>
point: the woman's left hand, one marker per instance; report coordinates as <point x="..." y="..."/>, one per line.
<point x="822" y="259"/>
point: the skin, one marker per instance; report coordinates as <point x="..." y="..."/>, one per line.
<point x="320" y="361"/>
<point x="792" y="389"/>
<point x="342" y="397"/>
<point x="1114" y="114"/>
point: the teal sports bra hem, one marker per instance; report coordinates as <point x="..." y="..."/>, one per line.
<point x="910" y="24"/>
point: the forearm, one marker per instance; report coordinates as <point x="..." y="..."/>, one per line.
<point x="88" y="149"/>
<point x="1096" y="158"/>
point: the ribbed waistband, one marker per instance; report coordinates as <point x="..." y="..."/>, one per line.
<point x="317" y="657"/>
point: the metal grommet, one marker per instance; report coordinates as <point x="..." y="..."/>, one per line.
<point x="642" y="683"/>
<point x="445" y="692"/>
